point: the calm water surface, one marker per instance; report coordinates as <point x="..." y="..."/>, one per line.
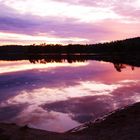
<point x="60" y="96"/>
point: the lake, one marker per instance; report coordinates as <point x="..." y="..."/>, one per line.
<point x="60" y="96"/>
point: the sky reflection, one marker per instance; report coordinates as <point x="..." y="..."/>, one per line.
<point x="58" y="97"/>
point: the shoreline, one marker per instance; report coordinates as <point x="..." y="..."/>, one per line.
<point x="121" y="124"/>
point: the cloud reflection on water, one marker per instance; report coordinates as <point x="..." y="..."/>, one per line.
<point x="62" y="97"/>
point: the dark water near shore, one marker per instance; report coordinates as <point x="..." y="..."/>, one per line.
<point x="60" y="96"/>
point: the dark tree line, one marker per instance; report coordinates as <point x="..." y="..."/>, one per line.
<point x="117" y="52"/>
<point x="123" y="46"/>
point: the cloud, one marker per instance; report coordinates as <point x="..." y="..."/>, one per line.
<point x="76" y="21"/>
<point x="66" y="94"/>
<point x="128" y="9"/>
<point x="62" y="10"/>
<point x="48" y="26"/>
<point x="36" y="26"/>
<point x="83" y="109"/>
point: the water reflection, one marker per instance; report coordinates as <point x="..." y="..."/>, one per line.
<point x="118" y="66"/>
<point x="60" y="96"/>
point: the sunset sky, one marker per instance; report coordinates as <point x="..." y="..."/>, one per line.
<point x="68" y="21"/>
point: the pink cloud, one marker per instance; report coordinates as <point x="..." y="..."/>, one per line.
<point x="108" y="29"/>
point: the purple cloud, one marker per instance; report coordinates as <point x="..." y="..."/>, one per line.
<point x="126" y="8"/>
<point x="102" y="30"/>
<point x="34" y="25"/>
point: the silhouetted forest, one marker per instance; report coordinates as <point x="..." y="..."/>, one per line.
<point x="117" y="52"/>
<point x="123" y="46"/>
<point x="120" y="62"/>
